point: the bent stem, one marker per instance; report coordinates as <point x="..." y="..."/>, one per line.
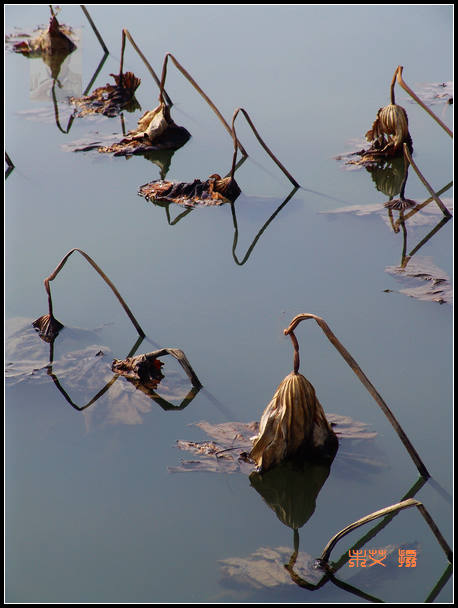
<point x="362" y="377"/>
<point x="126" y="34"/>
<point x="59" y="267"/>
<point x="398" y="76"/>
<point x="440" y="204"/>
<point x="96" y="31"/>
<point x="258" y="137"/>
<point x="405" y="504"/>
<point x="198" y="89"/>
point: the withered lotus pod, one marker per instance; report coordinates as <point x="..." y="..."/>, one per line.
<point x="110" y="99"/>
<point x="293" y="424"/>
<point x="214" y="191"/>
<point x="48" y="327"/>
<point x="390" y="129"/>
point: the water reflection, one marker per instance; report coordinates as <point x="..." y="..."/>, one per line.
<point x="401" y="214"/>
<point x="260" y="232"/>
<point x="292" y="494"/>
<point x="291" y="490"/>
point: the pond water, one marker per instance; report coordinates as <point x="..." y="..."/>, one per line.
<point x="99" y="505"/>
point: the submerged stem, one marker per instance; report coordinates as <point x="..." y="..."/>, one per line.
<point x="366" y="382"/>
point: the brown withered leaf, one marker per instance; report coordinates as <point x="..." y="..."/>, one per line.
<point x="156" y="130"/>
<point x="227" y="449"/>
<point x="55" y="40"/>
<point x="110" y="99"/>
<point x="214" y="191"/>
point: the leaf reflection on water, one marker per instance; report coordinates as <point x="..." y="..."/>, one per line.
<point x="84" y="371"/>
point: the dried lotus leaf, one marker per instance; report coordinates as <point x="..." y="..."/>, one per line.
<point x="214" y="191"/>
<point x="110" y="99"/>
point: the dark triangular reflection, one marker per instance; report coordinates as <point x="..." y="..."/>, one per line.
<point x="101" y="392"/>
<point x="291" y="489"/>
<point x="260" y="232"/>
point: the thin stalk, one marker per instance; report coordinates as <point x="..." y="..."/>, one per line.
<point x="236" y="231"/>
<point x="96" y="73"/>
<point x="59" y="267"/>
<point x="366" y="382"/>
<point x="405" y="504"/>
<point x="440" y="204"/>
<point x="126" y="33"/>
<point x="406" y="88"/>
<point x="96" y="31"/>
<point x="439" y="585"/>
<point x="258" y="137"/>
<point x="198" y="89"/>
<point x="393" y="82"/>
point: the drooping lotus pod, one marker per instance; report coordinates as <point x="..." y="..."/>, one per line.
<point x="293" y="424"/>
<point x="48" y="327"/>
<point x="390" y="129"/>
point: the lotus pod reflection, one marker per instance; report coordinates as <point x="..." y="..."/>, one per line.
<point x="293" y="424"/>
<point x="291" y="491"/>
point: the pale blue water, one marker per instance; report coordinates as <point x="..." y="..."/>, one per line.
<point x="93" y="513"/>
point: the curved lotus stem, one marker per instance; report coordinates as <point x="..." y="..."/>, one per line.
<point x="363" y="378"/>
<point x="398" y="77"/>
<point x="440" y="204"/>
<point x="53" y="275"/>
<point x="198" y="89"/>
<point x="405" y="504"/>
<point x="126" y="34"/>
<point x="258" y="137"/>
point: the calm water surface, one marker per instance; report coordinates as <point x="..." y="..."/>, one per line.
<point x="94" y="509"/>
